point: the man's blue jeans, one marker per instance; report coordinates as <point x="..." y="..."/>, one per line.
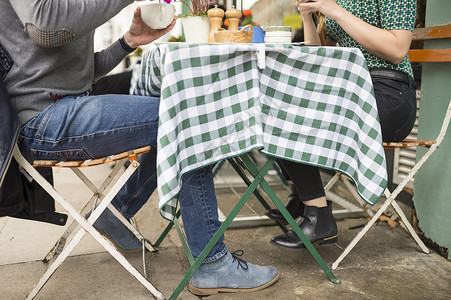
<point x="82" y="127"/>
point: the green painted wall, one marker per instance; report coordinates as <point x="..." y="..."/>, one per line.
<point x="432" y="189"/>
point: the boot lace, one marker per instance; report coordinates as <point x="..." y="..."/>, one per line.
<point x="241" y="263"/>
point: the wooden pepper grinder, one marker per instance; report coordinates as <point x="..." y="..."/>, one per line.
<point x="215" y="14"/>
<point x="233" y="15"/>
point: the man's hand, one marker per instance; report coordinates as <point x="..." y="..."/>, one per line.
<point x="140" y="34"/>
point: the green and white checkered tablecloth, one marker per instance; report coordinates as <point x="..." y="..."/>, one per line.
<point x="313" y="105"/>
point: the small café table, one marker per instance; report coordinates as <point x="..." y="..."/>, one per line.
<point x="312" y="105"/>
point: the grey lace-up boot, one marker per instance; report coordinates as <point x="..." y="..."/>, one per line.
<point x="113" y="229"/>
<point x="230" y="274"/>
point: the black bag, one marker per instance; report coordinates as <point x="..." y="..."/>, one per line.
<point x="19" y="197"/>
<point x="9" y="122"/>
<point x="6" y="62"/>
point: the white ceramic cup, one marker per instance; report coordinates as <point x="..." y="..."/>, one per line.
<point x="278" y="34"/>
<point x="157" y="15"/>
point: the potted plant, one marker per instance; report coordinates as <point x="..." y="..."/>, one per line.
<point x="196" y="24"/>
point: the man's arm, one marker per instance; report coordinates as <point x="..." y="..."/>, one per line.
<point x="138" y="34"/>
<point x="55" y="23"/>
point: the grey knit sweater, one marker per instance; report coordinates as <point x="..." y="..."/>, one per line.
<point x="52" y="45"/>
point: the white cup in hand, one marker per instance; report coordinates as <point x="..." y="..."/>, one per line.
<point x="157" y="15"/>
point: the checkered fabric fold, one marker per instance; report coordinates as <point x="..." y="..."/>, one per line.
<point x="313" y="105"/>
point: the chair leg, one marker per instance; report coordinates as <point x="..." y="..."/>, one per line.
<point x="356" y="196"/>
<point x="58" y="261"/>
<point x="86" y="224"/>
<point x="362" y="205"/>
<point x="409" y="227"/>
<point x="166" y="230"/>
<point x="97" y="195"/>
<point x="387" y="202"/>
<point x="332" y="182"/>
<point x="362" y="233"/>
<point x="109" y="247"/>
<point x="392" y="196"/>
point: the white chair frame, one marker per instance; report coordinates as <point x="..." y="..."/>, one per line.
<point x="391" y="197"/>
<point x="60" y="249"/>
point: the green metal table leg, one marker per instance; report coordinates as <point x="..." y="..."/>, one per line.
<point x="235" y="162"/>
<point x="239" y="171"/>
<point x="165" y="231"/>
<point x="249" y="191"/>
<point x="218" y="167"/>
<point x="185" y="245"/>
<point x="279" y="173"/>
<point x="254" y="171"/>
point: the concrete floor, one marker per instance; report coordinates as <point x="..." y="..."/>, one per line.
<point x="386" y="264"/>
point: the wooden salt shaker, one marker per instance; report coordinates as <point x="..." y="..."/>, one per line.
<point x="215" y="14"/>
<point x="233" y="15"/>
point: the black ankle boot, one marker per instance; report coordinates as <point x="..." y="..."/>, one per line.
<point x="318" y="225"/>
<point x="294" y="205"/>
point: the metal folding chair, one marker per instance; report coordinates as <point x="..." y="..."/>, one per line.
<point x="101" y="198"/>
<point x="432" y="145"/>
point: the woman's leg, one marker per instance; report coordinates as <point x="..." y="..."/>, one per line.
<point x="294" y="205"/>
<point x="307" y="180"/>
<point x="397" y="107"/>
<point x="318" y="223"/>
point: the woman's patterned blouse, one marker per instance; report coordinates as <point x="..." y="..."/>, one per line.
<point x="385" y="14"/>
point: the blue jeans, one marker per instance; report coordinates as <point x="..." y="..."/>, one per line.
<point x="82" y="127"/>
<point x="199" y="209"/>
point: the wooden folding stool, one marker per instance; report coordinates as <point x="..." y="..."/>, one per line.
<point x="99" y="201"/>
<point x="98" y="193"/>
